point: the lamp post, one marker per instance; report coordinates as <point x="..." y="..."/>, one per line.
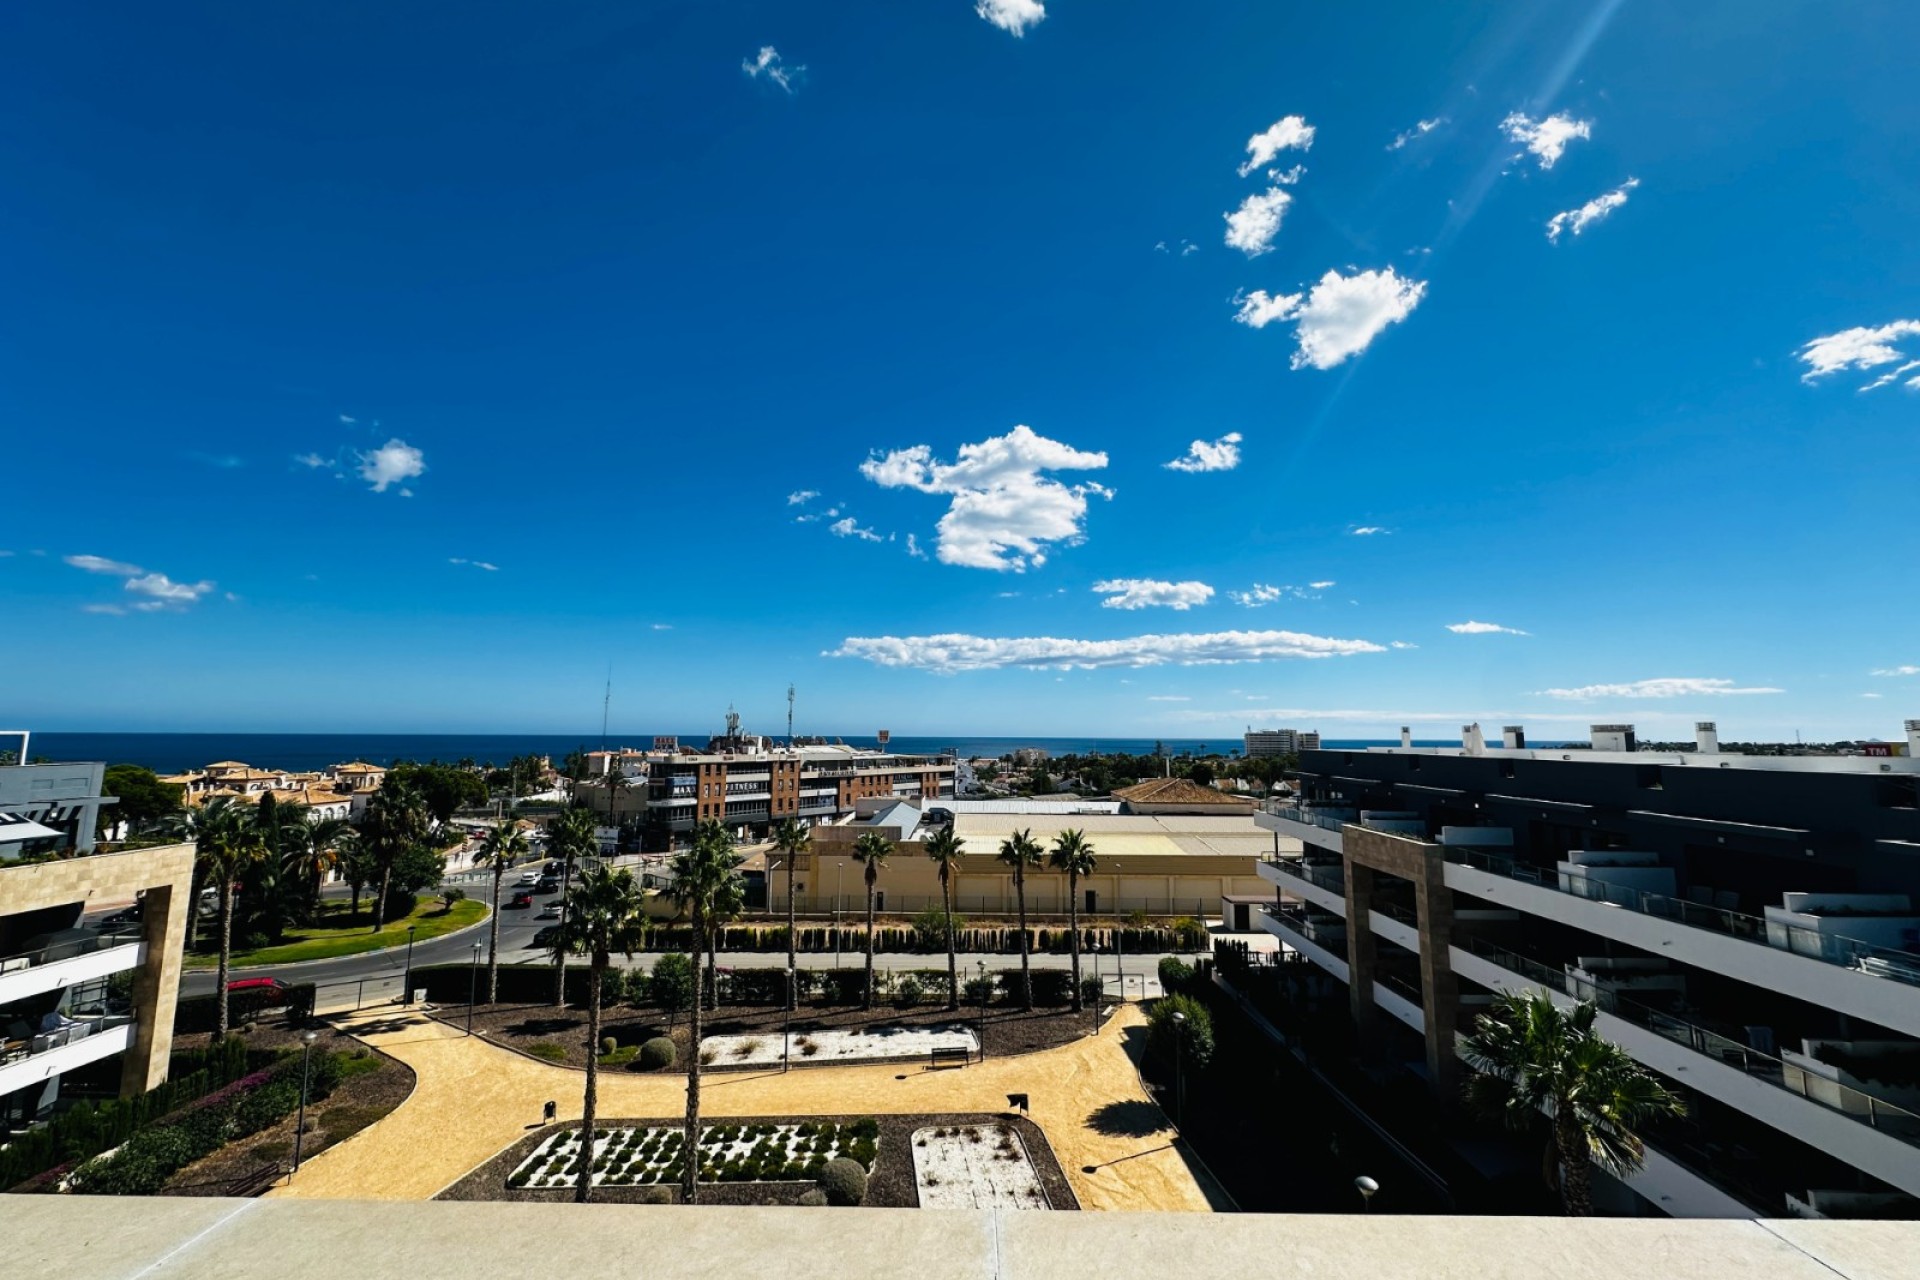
<point x="300" y="1125"/>
<point x="838" y="880"/>
<point x="1179" y="1068"/>
<point x="983" y="989"/>
<point x="1098" y="990"/>
<point x="1366" y="1187"/>
<point x="473" y="985"/>
<point x="406" y="992"/>
<point x="786" y="1031"/>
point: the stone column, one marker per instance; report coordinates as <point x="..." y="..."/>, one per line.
<point x="1360" y="951"/>
<point x="1440" y="989"/>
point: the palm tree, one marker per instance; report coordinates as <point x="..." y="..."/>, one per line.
<point x="702" y="875"/>
<point x="313" y="851"/>
<point x="728" y="903"/>
<point x="792" y="839"/>
<point x="607" y="916"/>
<point x="571" y="836"/>
<point x="395" y="822"/>
<point x="945" y="849"/>
<point x="505" y="845"/>
<point x="225" y="843"/>
<point x="871" y="850"/>
<point x="1533" y="1057"/>
<point x="1073" y="854"/>
<point x="1020" y="851"/>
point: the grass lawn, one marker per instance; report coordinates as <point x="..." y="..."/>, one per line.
<point x="341" y="934"/>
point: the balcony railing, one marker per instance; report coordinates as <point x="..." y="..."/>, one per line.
<point x="1331" y="935"/>
<point x="1330" y="878"/>
<point x="1312" y="817"/>
<point x="1850" y="953"/>
<point x="117" y="936"/>
<point x="1864" y="1107"/>
<point x="39" y="1042"/>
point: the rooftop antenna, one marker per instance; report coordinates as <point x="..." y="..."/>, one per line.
<point x="789" y="715"/>
<point x="606" y="705"/>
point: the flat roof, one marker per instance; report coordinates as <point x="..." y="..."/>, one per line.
<point x="1680" y="759"/>
<point x="1124" y="834"/>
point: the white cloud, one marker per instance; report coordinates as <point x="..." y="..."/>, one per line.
<point x="1419" y="130"/>
<point x="960" y="652"/>
<point x="313" y="460"/>
<point x="1221" y="455"/>
<point x="1340" y="316"/>
<point x="914" y="548"/>
<point x="663" y="626"/>
<point x="1665" y="687"/>
<point x="100" y="564"/>
<point x="1547" y="139"/>
<point x="1578" y="220"/>
<point x="1872" y="695"/>
<point x="1168" y="697"/>
<point x="1287" y="177"/>
<point x="1252" y="227"/>
<point x="1286" y="133"/>
<point x="1142" y="593"/>
<point x="849" y="528"/>
<point x="1322" y="586"/>
<point x="1885" y="378"/>
<point x="1904" y="670"/>
<point x="1368" y="530"/>
<point x="800" y="497"/>
<point x="478" y="564"/>
<point x="1401" y="644"/>
<point x="164" y="592"/>
<point x="112" y="609"/>
<point x="1858" y="348"/>
<point x="1484" y="629"/>
<point x="348" y="420"/>
<point x="391" y="463"/>
<point x="768" y="63"/>
<point x="1012" y="16"/>
<point x="1265" y="593"/>
<point x="1004" y="512"/>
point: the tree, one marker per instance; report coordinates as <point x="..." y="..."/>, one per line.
<point x="945" y="849"/>
<point x="144" y="799"/>
<point x="701" y="876"/>
<point x="225" y="842"/>
<point x="871" y="851"/>
<point x="670" y="985"/>
<point x="1201" y="775"/>
<point x="729" y="901"/>
<point x="570" y="837"/>
<point x="1020" y="851"/>
<point x="443" y="788"/>
<point x="1533" y="1058"/>
<point x="574" y="764"/>
<point x="1073" y="854"/>
<point x="505" y="845"/>
<point x="1192" y="1041"/>
<point x="605" y="915"/>
<point x="315" y="849"/>
<point x="395" y="821"/>
<point x="792" y="839"/>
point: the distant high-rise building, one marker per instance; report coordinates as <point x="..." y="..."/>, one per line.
<point x="1259" y="743"/>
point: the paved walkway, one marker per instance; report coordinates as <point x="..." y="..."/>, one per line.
<point x="474" y="1098"/>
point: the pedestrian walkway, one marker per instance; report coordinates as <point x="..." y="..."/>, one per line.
<point x="474" y="1098"/>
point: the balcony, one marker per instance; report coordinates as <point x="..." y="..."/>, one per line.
<point x="39" y="1056"/>
<point x="1400" y="999"/>
<point x="1397" y="924"/>
<point x="1305" y="937"/>
<point x="1864" y="979"/>
<point x="1865" y="1131"/>
<point x="1325" y="886"/>
<point x="69" y="962"/>
<point x="1319" y="827"/>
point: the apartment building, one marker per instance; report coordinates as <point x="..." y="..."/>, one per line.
<point x="1260" y="743"/>
<point x="1749" y="927"/>
<point x="91" y="941"/>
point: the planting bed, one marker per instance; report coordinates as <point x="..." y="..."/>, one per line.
<point x="625" y="1156"/>
<point x="975" y="1166"/>
<point x="859" y="1044"/>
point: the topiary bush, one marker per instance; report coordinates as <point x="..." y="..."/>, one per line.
<point x="1195" y="1039"/>
<point x="907" y="992"/>
<point x="657" y="1054"/>
<point x="812" y="1199"/>
<point x="608" y="1044"/>
<point x="1175" y="974"/>
<point x="843" y="1182"/>
<point x="1092" y="991"/>
<point x="1052" y="987"/>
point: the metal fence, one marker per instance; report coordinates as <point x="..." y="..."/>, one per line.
<point x="362" y="993"/>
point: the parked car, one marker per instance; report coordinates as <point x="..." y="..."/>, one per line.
<point x="256" y="984"/>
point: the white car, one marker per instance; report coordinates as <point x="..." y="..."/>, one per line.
<point x="526" y="881"/>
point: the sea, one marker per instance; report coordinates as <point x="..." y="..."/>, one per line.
<point x="178" y="752"/>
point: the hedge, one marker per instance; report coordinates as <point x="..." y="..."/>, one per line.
<point x="895" y="939"/>
<point x="195" y="1014"/>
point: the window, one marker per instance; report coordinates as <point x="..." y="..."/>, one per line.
<point x="1648" y="777"/>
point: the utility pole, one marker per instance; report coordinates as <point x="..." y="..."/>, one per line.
<point x="789" y="715"/>
<point x="606" y="705"/>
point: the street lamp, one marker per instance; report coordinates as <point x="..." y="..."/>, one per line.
<point x="786" y="1031"/>
<point x="1179" y="1068"/>
<point x="300" y="1125"/>
<point x="984" y="990"/>
<point x="838" y="880"/>
<point x="1366" y="1187"/>
<point x="406" y="993"/>
<point x="473" y="985"/>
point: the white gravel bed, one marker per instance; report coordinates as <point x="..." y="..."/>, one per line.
<point x="975" y="1166"/>
<point x="867" y="1045"/>
<point x="730" y="1152"/>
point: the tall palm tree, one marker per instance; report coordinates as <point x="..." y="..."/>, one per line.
<point x="225" y="843"/>
<point x="570" y="837"/>
<point x="871" y="851"/>
<point x="608" y="915"/>
<point x="1073" y="854"/>
<point x="312" y="852"/>
<point x="727" y="905"/>
<point x="1020" y="851"/>
<point x="702" y="875"/>
<point x="505" y="845"/>
<point x="792" y="839"/>
<point x="394" y="823"/>
<point x="1533" y="1057"/>
<point x="945" y="848"/>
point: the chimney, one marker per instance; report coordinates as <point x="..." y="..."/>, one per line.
<point x="1406" y="736"/>
<point x="1613" y="737"/>
<point x="1513" y="737"/>
<point x="1706" y="738"/>
<point x="1913" y="739"/>
<point x="1472" y="739"/>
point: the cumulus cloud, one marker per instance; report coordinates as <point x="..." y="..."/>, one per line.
<point x="1484" y="629"/>
<point x="1252" y="227"/>
<point x="800" y="497"/>
<point x="1004" y="511"/>
<point x="163" y="592"/>
<point x="1368" y="530"/>
<point x="1144" y="593"/>
<point x="1859" y="348"/>
<point x="1664" y="687"/>
<point x="1012" y="16"/>
<point x="391" y="464"/>
<point x="768" y="63"/>
<point x="477" y="564"/>
<point x="849" y="528"/>
<point x="100" y="564"/>
<point x="1903" y="670"/>
<point x="1578" y="220"/>
<point x="1339" y="316"/>
<point x="1221" y="455"/>
<point x="1547" y="139"/>
<point x="960" y="652"/>
<point x="1420" y="129"/>
<point x="1286" y="133"/>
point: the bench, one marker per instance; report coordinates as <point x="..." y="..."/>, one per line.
<point x="253" y="1184"/>
<point x="960" y="1056"/>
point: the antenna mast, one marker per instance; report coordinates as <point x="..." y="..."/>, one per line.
<point x="789" y="715"/>
<point x="606" y="705"/>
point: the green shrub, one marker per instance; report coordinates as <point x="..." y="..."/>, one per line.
<point x="1175" y="974"/>
<point x="978" y="991"/>
<point x="1052" y="987"/>
<point x="548" y="1051"/>
<point x="907" y="992"/>
<point x="843" y="1182"/>
<point x="670" y="986"/>
<point x="657" y="1054"/>
<point x="608" y="1044"/>
<point x="1195" y="1039"/>
<point x="1191" y="934"/>
<point x="1092" y="991"/>
<point x="656" y="1195"/>
<point x="812" y="1199"/>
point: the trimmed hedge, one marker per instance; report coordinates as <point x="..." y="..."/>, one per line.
<point x="895" y="939"/>
<point x="519" y="983"/>
<point x="844" y="1181"/>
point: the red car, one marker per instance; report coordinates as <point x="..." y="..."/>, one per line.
<point x="522" y="899"/>
<point x="256" y="984"/>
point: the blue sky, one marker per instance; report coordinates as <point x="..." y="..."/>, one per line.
<point x="376" y="367"/>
